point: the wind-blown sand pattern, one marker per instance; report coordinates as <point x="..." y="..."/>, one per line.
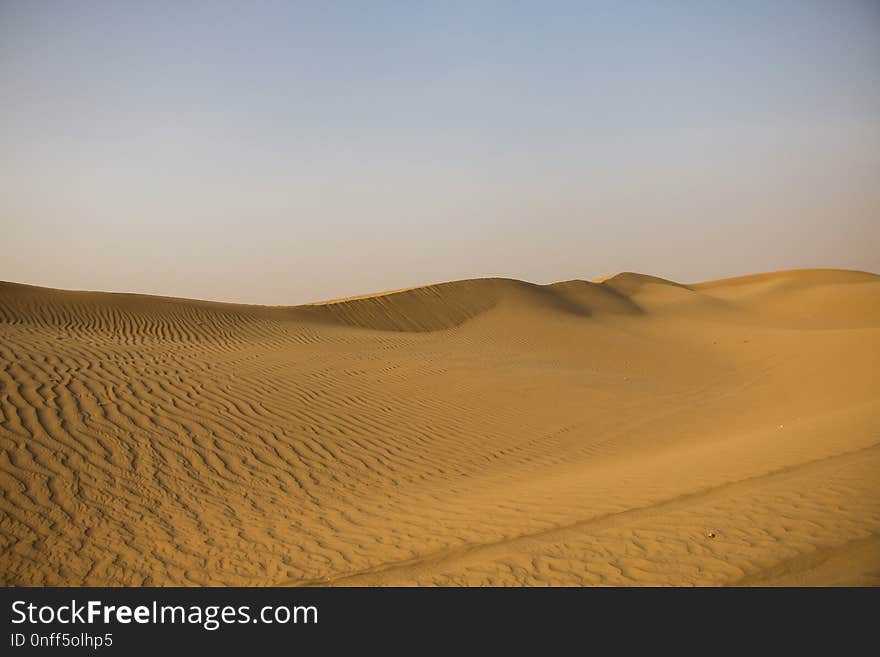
<point x="630" y="431"/>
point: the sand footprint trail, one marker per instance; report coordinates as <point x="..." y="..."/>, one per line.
<point x="474" y="432"/>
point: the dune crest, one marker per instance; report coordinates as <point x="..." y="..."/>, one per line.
<point x="630" y="430"/>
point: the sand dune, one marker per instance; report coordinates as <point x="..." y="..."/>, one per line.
<point x="626" y="431"/>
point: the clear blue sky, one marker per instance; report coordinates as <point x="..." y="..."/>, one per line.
<point x="286" y="152"/>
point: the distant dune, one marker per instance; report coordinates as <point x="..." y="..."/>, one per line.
<point x="628" y="431"/>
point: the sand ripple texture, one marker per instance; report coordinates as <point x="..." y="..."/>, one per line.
<point x="631" y="431"/>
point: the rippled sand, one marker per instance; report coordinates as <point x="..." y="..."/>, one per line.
<point x="630" y="431"/>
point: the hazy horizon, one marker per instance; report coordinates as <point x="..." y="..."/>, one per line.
<point x="281" y="154"/>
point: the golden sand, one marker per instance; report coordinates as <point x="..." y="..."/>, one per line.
<point x="630" y="431"/>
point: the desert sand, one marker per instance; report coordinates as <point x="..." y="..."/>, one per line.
<point x="629" y="431"/>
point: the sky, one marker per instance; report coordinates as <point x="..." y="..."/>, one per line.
<point x="286" y="152"/>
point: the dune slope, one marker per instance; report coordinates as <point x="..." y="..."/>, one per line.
<point x="626" y="431"/>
